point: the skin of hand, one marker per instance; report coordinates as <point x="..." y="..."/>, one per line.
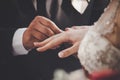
<point x="105" y="75"/>
<point x="38" y="30"/>
<point x="70" y="35"/>
<point x="114" y="37"/>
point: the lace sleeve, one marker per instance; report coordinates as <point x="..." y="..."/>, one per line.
<point x="96" y="52"/>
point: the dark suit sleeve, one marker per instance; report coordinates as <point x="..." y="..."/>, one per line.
<point x="14" y="14"/>
<point x="6" y="36"/>
<point x="7" y="10"/>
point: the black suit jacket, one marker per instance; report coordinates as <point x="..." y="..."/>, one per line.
<point x="16" y="14"/>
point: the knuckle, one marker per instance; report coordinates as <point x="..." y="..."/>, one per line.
<point x="40" y="18"/>
<point x="48" y="23"/>
<point x="32" y="24"/>
<point x="52" y="24"/>
<point x="49" y="32"/>
<point x="37" y="17"/>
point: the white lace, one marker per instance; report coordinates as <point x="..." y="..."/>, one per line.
<point x="96" y="52"/>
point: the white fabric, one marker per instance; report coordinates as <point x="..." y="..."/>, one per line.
<point x="75" y="75"/>
<point x="80" y="5"/>
<point x="96" y="52"/>
<point x="17" y="44"/>
<point x="35" y="4"/>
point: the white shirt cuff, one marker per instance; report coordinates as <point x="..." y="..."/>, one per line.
<point x="17" y="44"/>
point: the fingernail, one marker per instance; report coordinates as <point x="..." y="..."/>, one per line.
<point x="61" y="54"/>
<point x="35" y="43"/>
<point x="38" y="49"/>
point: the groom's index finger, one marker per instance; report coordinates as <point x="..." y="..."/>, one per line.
<point x="50" y="24"/>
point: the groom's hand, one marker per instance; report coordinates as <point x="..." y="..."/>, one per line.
<point x="38" y="30"/>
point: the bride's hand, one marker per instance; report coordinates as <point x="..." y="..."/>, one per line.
<point x="71" y="36"/>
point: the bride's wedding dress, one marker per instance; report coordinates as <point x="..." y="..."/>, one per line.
<point x="100" y="48"/>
